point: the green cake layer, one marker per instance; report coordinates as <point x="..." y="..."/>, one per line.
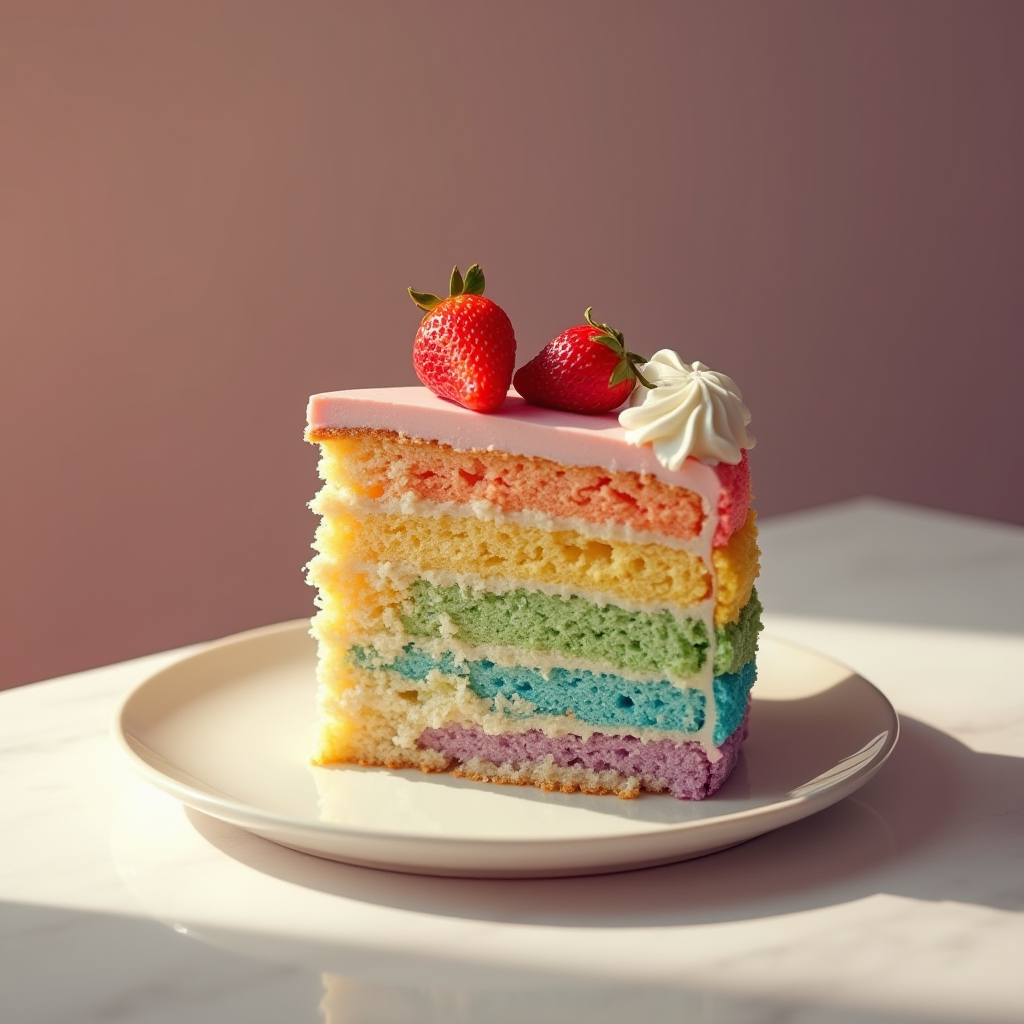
<point x="634" y="641"/>
<point x="736" y="643"/>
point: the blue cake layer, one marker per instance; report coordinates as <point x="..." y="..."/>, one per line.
<point x="597" y="698"/>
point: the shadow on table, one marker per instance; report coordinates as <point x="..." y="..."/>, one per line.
<point x="939" y="822"/>
<point x="73" y="965"/>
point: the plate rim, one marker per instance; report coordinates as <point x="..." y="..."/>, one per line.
<point x="250" y="816"/>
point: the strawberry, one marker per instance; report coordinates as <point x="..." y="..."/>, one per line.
<point x="585" y="369"/>
<point x="465" y="348"/>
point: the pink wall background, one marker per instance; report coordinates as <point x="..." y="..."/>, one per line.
<point x="210" y="210"/>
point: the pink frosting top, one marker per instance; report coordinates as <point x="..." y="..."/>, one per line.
<point x="516" y="427"/>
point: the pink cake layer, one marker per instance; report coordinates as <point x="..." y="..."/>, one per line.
<point x="529" y="430"/>
<point x="685" y="767"/>
<point x="733" y="499"/>
<point x="391" y="467"/>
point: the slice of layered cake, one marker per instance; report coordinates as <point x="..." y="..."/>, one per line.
<point x="531" y="596"/>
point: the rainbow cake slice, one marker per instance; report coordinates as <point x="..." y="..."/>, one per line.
<point x="524" y="597"/>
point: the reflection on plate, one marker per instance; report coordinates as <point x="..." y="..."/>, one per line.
<point x="227" y="731"/>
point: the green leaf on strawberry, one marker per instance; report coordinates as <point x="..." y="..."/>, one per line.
<point x="474" y="281"/>
<point x="456" y="285"/>
<point x="425" y="300"/>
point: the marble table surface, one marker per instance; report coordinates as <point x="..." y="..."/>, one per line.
<point x="902" y="903"/>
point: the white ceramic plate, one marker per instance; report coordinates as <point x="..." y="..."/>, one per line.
<point x="227" y="731"/>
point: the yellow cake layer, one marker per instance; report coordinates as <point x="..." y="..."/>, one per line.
<point x="490" y="550"/>
<point x="644" y="574"/>
<point x="353" y="605"/>
<point x="736" y="568"/>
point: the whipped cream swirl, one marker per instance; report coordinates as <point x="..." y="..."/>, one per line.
<point x="691" y="410"/>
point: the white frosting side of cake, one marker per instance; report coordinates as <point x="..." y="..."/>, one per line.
<point x="706" y="678"/>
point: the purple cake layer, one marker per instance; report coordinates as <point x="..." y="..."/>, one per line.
<point x="683" y="767"/>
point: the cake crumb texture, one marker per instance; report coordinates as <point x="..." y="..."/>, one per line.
<point x="382" y="464"/>
<point x="640" y="573"/>
<point x="579" y="643"/>
<point x="574" y="626"/>
<point x="601" y="764"/>
<point x="643" y="574"/>
<point x="736" y="568"/>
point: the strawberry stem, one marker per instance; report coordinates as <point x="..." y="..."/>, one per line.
<point x="628" y="366"/>
<point x="472" y="285"/>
